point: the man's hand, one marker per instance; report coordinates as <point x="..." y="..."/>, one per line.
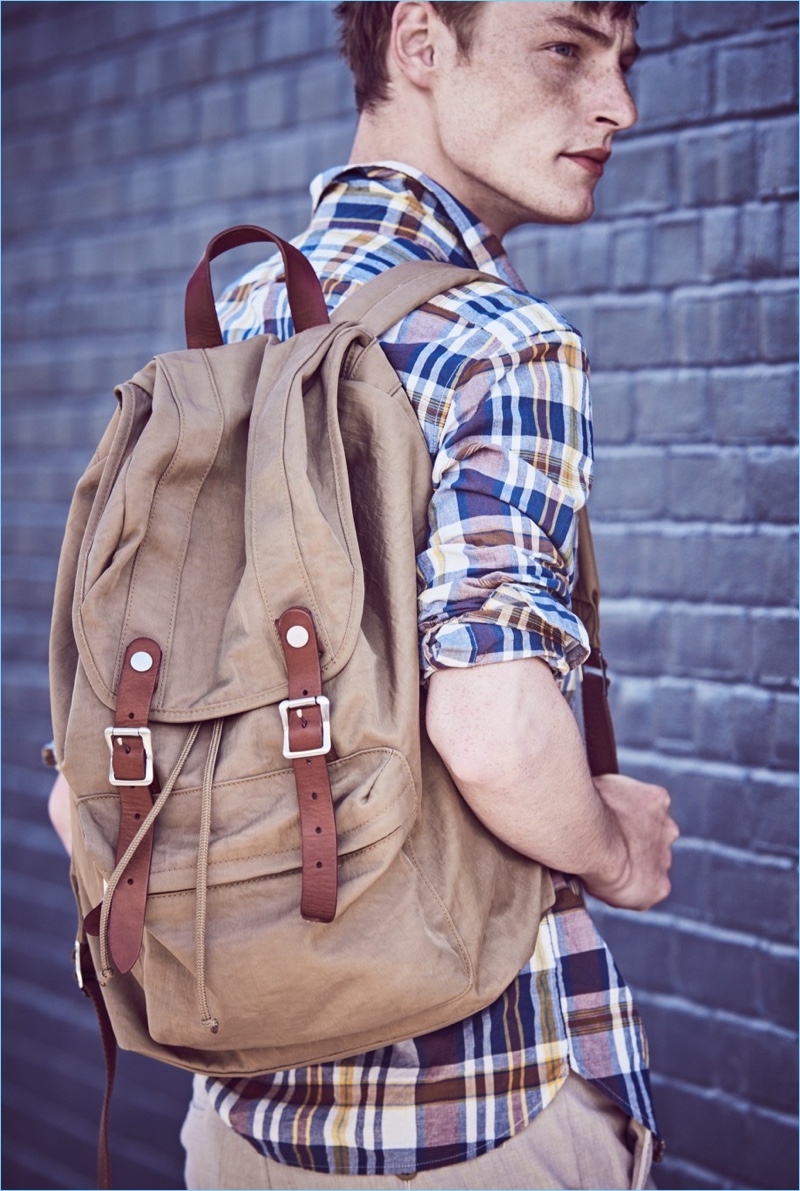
<point x="59" y="811"/>
<point x="648" y="833"/>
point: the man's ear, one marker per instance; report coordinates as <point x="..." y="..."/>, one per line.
<point x="417" y="40"/>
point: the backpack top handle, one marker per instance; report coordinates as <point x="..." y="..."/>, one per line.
<point x="306" y="299"/>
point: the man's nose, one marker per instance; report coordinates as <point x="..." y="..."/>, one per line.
<point x="616" y="105"/>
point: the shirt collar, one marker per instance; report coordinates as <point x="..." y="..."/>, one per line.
<point x="475" y="238"/>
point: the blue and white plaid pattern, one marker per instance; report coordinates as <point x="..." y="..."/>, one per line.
<point x="499" y="382"/>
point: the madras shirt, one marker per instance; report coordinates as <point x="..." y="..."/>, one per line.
<point x="499" y="382"/>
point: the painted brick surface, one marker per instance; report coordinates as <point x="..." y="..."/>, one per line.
<point x="132" y="133"/>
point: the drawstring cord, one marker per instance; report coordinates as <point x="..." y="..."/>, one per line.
<point x="202" y="879"/>
<point x="106" y="971"/>
<point x="204" y="840"/>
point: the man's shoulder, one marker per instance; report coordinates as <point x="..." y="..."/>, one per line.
<point x="493" y="312"/>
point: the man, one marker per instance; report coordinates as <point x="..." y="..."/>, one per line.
<point x="476" y="118"/>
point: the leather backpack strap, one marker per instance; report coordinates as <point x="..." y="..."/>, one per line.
<point x="132" y="761"/>
<point x="598" y="727"/>
<point x="90" y="987"/>
<point x="307" y="744"/>
<point x="381" y="302"/>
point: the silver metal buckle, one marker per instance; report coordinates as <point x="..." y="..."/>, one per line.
<point x="76" y="956"/>
<point x="324" y="704"/>
<point x="146" y="738"/>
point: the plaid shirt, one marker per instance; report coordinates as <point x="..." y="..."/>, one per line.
<point x="499" y="383"/>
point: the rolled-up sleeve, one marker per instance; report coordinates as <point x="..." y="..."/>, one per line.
<point x="513" y="468"/>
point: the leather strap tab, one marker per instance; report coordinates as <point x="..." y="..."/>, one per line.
<point x="306" y="732"/>
<point x="137" y="683"/>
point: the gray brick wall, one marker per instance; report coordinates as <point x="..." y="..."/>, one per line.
<point x="133" y="132"/>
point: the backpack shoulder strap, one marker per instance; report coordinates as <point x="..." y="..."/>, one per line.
<point x="378" y="305"/>
<point x="381" y="302"/>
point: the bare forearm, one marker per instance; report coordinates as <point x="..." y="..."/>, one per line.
<point x="513" y="747"/>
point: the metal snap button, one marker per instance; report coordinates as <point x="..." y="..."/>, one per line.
<point x="297" y="636"/>
<point x="141" y="661"/>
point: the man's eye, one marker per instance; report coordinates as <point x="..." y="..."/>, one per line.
<point x="565" y="49"/>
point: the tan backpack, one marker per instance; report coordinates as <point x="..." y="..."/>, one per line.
<point x="272" y="865"/>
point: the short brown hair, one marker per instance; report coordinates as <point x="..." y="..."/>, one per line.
<point x="365" y="25"/>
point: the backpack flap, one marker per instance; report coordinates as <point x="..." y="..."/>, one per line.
<point x="179" y="549"/>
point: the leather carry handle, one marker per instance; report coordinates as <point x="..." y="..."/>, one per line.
<point x="306" y="300"/>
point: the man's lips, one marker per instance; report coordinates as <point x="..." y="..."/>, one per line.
<point x="592" y="160"/>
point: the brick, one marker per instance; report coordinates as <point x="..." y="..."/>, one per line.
<point x="717" y="165"/>
<point x="671" y="406"/>
<point x="323" y="89"/>
<point x="557" y="262"/>
<point x="731" y="724"/>
<point x="727" y="565"/>
<point x="775" y="824"/>
<point x="778" y="318"/>
<point x="657" y="28"/>
<point x="717" y="971"/>
<point x="630" y="485"/>
<point x="777" y="986"/>
<point x="738" y="891"/>
<point x="777" y="13"/>
<point x="789" y="225"/>
<point x="701" y="19"/>
<point x="706" y="484"/>
<point x="678" y="1175"/>
<point x="267" y="101"/>
<point x="689" y="877"/>
<point x="756" y="78"/>
<point x="612" y="409"/>
<point x="785" y="746"/>
<point x="634" y="634"/>
<point x="590" y="259"/>
<point x="721" y="254"/>
<point x="712" y="643"/>
<point x="731" y="325"/>
<point x="761" y="224"/>
<point x="235" y="48"/>
<point x="771" y="484"/>
<point x="777" y="158"/>
<point x="674" y="88"/>
<point x="629" y="333"/>
<point x="676" y="250"/>
<point x="633" y="712"/>
<point x="774" y="645"/>
<point x="288" y="31"/>
<point x="753" y="404"/>
<point x="630" y="248"/>
<point x="673" y="702"/>
<point x="641" y="179"/>
<point x="757" y="1150"/>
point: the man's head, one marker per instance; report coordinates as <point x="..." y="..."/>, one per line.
<point x="512" y="106"/>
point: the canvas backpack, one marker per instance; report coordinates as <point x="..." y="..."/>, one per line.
<point x="271" y="863"/>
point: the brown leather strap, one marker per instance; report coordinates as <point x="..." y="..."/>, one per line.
<point x="306" y="300"/>
<point x="88" y="983"/>
<point x="137" y="683"/>
<point x="305" y="730"/>
<point x="601" y="748"/>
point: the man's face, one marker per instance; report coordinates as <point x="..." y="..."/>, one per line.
<point x="525" y="124"/>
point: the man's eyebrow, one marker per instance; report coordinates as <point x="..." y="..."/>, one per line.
<point x="576" y="25"/>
